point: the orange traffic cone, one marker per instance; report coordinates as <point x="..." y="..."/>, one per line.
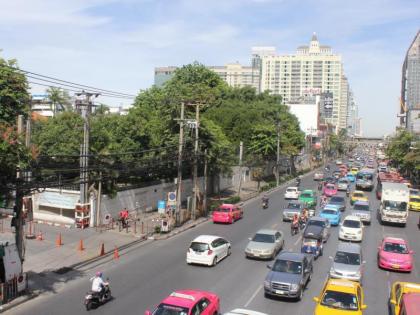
<point x="116" y="254"/>
<point x="81" y="248"/>
<point x="58" y="241"/>
<point x="102" y="252"/>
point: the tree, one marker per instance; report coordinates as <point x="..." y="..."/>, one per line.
<point x="59" y="98"/>
<point x="400" y="152"/>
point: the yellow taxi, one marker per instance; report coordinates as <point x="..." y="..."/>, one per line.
<point x="358" y="195"/>
<point x="340" y="297"/>
<point x="354" y="170"/>
<point x="397" y="291"/>
<point x="414" y="203"/>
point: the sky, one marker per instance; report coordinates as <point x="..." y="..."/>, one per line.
<point x="116" y="44"/>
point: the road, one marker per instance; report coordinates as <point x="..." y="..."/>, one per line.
<point x="146" y="274"/>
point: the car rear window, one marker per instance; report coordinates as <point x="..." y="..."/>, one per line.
<point x="223" y="209"/>
<point x="361" y="207"/>
<point x="326" y="211"/>
<point x="291" y="190"/>
<point x="337" y="199"/>
<point x="199" y="247"/>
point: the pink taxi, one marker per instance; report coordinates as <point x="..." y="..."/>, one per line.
<point x="394" y="254"/>
<point x="188" y="302"/>
<point x="330" y="190"/>
<point x="227" y="213"/>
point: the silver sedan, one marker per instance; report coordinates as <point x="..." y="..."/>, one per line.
<point x="265" y="244"/>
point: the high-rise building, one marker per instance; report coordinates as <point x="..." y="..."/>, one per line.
<point x="313" y="69"/>
<point x="410" y="87"/>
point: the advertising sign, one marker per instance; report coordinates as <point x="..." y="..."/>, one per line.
<point x="327" y="102"/>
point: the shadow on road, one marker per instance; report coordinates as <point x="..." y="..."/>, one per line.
<point x="51" y="280"/>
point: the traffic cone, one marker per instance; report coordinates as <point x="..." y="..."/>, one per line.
<point x="81" y="248"/>
<point x="58" y="241"/>
<point x="116" y="254"/>
<point x="102" y="252"/>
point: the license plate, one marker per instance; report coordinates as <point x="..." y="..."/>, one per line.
<point x="280" y="292"/>
<point x="395" y="266"/>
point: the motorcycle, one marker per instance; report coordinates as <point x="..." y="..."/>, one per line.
<point x="265" y="203"/>
<point x="348" y="192"/>
<point x="302" y="224"/>
<point x="94" y="298"/>
<point x="294" y="228"/>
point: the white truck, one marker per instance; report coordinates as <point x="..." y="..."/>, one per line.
<point x="394" y="203"/>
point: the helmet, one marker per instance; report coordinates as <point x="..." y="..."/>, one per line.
<point x="99" y="274"/>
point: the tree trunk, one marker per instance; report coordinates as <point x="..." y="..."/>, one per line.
<point x="292" y="164"/>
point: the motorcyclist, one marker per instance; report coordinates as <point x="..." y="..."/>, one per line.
<point x="98" y="285"/>
<point x="348" y="190"/>
<point x="265" y="200"/>
<point x="323" y="201"/>
<point x="295" y="222"/>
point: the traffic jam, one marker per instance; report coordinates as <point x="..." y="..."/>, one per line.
<point x="340" y="202"/>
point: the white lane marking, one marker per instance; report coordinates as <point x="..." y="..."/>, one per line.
<point x="253" y="296"/>
<point x="298" y="240"/>
<point x="274" y="225"/>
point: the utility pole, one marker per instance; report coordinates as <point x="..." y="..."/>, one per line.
<point x="278" y="154"/>
<point x="179" y="178"/>
<point x="205" y="184"/>
<point x="98" y="210"/>
<point x="195" y="175"/>
<point x="86" y="110"/>
<point x="241" y="148"/>
<point x="17" y="220"/>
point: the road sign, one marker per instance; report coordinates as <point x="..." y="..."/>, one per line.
<point x="171" y="198"/>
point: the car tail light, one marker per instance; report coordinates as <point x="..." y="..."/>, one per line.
<point x="209" y="252"/>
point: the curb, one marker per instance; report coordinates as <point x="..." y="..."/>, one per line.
<point x="18" y="301"/>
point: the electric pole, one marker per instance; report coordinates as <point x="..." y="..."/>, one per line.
<point x="17" y="220"/>
<point x="278" y="154"/>
<point x="205" y="184"/>
<point x="86" y="110"/>
<point x="179" y="178"/>
<point x="195" y="175"/>
<point x="241" y="148"/>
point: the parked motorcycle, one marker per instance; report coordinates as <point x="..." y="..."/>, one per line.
<point x="94" y="299"/>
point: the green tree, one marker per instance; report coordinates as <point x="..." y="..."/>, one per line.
<point x="398" y="149"/>
<point x="60" y="99"/>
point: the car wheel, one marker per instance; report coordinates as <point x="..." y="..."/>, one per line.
<point x="300" y="294"/>
<point x="214" y="263"/>
<point x="229" y="251"/>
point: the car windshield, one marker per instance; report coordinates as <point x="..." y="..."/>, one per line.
<point x="415" y="199"/>
<point x="343" y="181"/>
<point x="361" y="207"/>
<point x="167" y="309"/>
<point x="293" y="206"/>
<point x="306" y="195"/>
<point x="287" y="266"/>
<point x="365" y="176"/>
<point x="316" y="222"/>
<point x="347" y="258"/>
<point x="199" y="247"/>
<point x="351" y="224"/>
<point x="330" y="187"/>
<point x="222" y="209"/>
<point x="359" y="195"/>
<point x="327" y="211"/>
<point x="395" y="248"/>
<point x="395" y="205"/>
<point x="339" y="300"/>
<point x="263" y="238"/>
<point x="337" y="199"/>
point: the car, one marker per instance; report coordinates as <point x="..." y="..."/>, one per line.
<point x="343" y="184"/>
<point x="358" y="195"/>
<point x="394" y="254"/>
<point x="398" y="290"/>
<point x="289" y="275"/>
<point x="362" y="210"/>
<point x="347" y="262"/>
<point x="351" y="229"/>
<point x="414" y="203"/>
<point x="351" y="177"/>
<point x="336" y="174"/>
<point x="332" y="213"/>
<point x="319" y="176"/>
<point x="330" y="190"/>
<point x="330" y="180"/>
<point x="338" y="162"/>
<point x="340" y="296"/>
<point x="227" y="213"/>
<point x="186" y="302"/>
<point x="340" y="201"/>
<point x="318" y="221"/>
<point x="292" y="208"/>
<point x="354" y="170"/>
<point x="208" y="250"/>
<point x="241" y="311"/>
<point x="308" y="197"/>
<point x="370" y="165"/>
<point x="266" y="243"/>
<point x="291" y="193"/>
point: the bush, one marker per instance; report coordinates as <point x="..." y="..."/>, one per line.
<point x="157" y="229"/>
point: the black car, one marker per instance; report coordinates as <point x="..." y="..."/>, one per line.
<point x="339" y="201"/>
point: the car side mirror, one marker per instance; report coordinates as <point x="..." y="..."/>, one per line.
<point x="330" y="257"/>
<point x="316" y="299"/>
<point x="412" y="252"/>
<point x="249" y="238"/>
<point x="307" y="270"/>
<point x="147" y="312"/>
<point x="269" y="266"/>
<point x="379" y="247"/>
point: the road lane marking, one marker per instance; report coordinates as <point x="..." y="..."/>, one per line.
<point x="253" y="296"/>
<point x="298" y="240"/>
<point x="274" y="225"/>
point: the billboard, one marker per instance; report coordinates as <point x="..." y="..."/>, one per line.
<point x="327" y="102"/>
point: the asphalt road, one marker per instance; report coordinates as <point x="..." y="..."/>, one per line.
<point x="146" y="274"/>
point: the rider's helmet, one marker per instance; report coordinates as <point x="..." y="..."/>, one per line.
<point x="99" y="274"/>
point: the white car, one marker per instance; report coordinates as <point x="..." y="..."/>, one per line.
<point x="291" y="193"/>
<point x="208" y="250"/>
<point x="241" y="311"/>
<point x="351" y="229"/>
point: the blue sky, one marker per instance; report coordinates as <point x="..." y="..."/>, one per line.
<point x="116" y="44"/>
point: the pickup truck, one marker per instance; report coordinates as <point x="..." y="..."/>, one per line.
<point x="289" y="275"/>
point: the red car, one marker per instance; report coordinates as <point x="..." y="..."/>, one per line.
<point x="330" y="190"/>
<point x="227" y="213"/>
<point x="394" y="254"/>
<point x="188" y="302"/>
